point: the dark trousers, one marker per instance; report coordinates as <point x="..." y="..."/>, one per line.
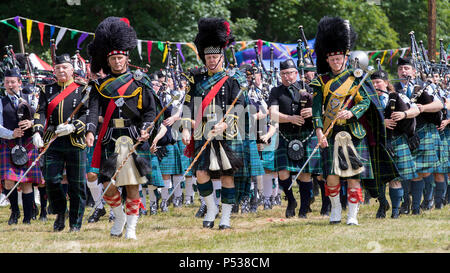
<point x="63" y="155"/>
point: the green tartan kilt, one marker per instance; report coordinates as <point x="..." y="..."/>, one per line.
<point x="185" y="161"/>
<point x="89" y="155"/>
<point x="447" y="138"/>
<point x="443" y="153"/>
<point x="362" y="149"/>
<point x="253" y="157"/>
<point x="155" y="177"/>
<point x="426" y="155"/>
<point x="268" y="154"/>
<point x="282" y="161"/>
<point x="171" y="163"/>
<point x="403" y="158"/>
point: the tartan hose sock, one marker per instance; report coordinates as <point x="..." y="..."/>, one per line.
<point x="205" y="189"/>
<point x="396" y="198"/>
<point x="417" y="188"/>
<point x="113" y="201"/>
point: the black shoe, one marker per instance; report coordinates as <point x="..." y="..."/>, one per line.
<point x="290" y="209"/>
<point x="74" y="229"/>
<point x="189" y="201"/>
<point x="59" y="224"/>
<point x="381" y="213"/>
<point x="245" y="205"/>
<point x="95" y="217"/>
<point x="302" y="215"/>
<point x="35" y="212"/>
<point x="164" y="206"/>
<point x="267" y="203"/>
<point x="253" y="204"/>
<point x="395" y="214"/>
<point x="142" y="212"/>
<point x="235" y="208"/>
<point x="201" y="210"/>
<point x="208" y="224"/>
<point x="153" y="207"/>
<point x="26" y="221"/>
<point x="277" y="200"/>
<point x="224" y="227"/>
<point x="438" y="205"/>
<point x="43" y="216"/>
<point x="416" y="211"/>
<point x="405" y="207"/>
<point x="177" y="202"/>
<point x="13" y="219"/>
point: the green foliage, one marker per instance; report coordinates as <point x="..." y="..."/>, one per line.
<point x="382" y="26"/>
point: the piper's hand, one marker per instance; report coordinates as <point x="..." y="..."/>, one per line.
<point x="37" y="141"/>
<point x="444" y="123"/>
<point x="390" y="123"/>
<point x="18" y="132"/>
<point x="397" y="116"/>
<point x="170" y="121"/>
<point x="265" y="138"/>
<point x="25" y="124"/>
<point x="186" y="137"/>
<point x="344" y="114"/>
<point x="144" y="135"/>
<point x="90" y="139"/>
<point x="306" y="112"/>
<point x="154" y="148"/>
<point x="219" y="128"/>
<point x="322" y="139"/>
<point x="297" y="120"/>
<point x="64" y="129"/>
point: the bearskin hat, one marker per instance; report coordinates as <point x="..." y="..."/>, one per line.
<point x="214" y="34"/>
<point x="112" y="36"/>
<point x="335" y="36"/>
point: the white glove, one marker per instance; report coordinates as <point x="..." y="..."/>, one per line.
<point x="37" y="141"/>
<point x="64" y="129"/>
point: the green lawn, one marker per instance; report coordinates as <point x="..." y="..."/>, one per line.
<point x="266" y="231"/>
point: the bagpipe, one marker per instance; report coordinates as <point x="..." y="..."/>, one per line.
<point x="420" y="94"/>
<point x="404" y="126"/>
<point x="266" y="76"/>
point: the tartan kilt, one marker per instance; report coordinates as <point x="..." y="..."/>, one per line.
<point x="237" y="147"/>
<point x="89" y="155"/>
<point x="403" y="158"/>
<point x="155" y="177"/>
<point x="10" y="172"/>
<point x="282" y="161"/>
<point x="426" y="156"/>
<point x="253" y="157"/>
<point x="443" y="153"/>
<point x="171" y="163"/>
<point x="185" y="161"/>
<point x="447" y="137"/>
<point x="268" y="154"/>
<point x="362" y="148"/>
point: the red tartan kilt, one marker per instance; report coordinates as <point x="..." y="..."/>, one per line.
<point x="10" y="172"/>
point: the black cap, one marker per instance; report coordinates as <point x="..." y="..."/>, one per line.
<point x="379" y="74"/>
<point x="404" y="61"/>
<point x="64" y="58"/>
<point x="289" y="63"/>
<point x="13" y="72"/>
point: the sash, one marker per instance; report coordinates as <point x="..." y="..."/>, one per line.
<point x="336" y="99"/>
<point x="189" y="150"/>
<point x="96" y="158"/>
<point x="61" y="96"/>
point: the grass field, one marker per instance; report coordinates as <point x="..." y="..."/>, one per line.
<point x="178" y="231"/>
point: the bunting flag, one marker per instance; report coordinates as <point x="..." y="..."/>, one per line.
<point x="382" y="58"/>
<point x="60" y="35"/>
<point x="83" y="36"/>
<point x="160" y="46"/>
<point x="166" y="50"/>
<point x="52" y="31"/>
<point x="41" y="32"/>
<point x="192" y="46"/>
<point x="73" y="33"/>
<point x="8" y="24"/>
<point x="149" y="50"/>
<point x="29" y="25"/>
<point x="180" y="52"/>
<point x="18" y="23"/>
<point x="243" y="45"/>
<point x="259" y="43"/>
<point x="139" y="48"/>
